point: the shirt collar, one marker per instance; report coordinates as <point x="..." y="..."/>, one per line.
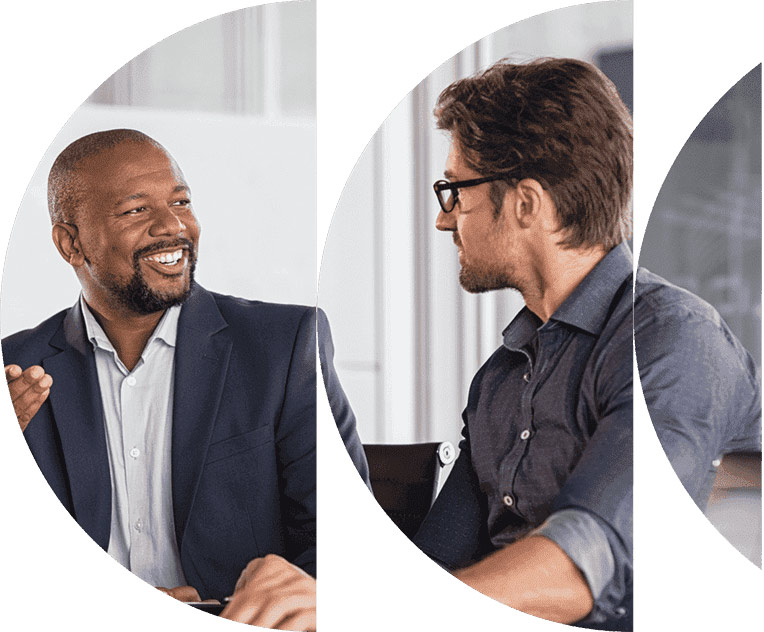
<point x="588" y="305"/>
<point x="166" y="330"/>
<point x="521" y="330"/>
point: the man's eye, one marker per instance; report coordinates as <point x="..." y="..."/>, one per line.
<point x="135" y="211"/>
<point x="182" y="203"/>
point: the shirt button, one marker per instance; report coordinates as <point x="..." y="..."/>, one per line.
<point x="525" y="434"/>
<point x="508" y="500"/>
<point x="716" y="462"/>
<point x="527" y="376"/>
<point x="130" y="381"/>
<point x="620" y="611"/>
<point x="138" y="525"/>
<point x="135" y="453"/>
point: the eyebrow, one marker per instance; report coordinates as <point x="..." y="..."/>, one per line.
<point x="449" y="174"/>
<point x="139" y="196"/>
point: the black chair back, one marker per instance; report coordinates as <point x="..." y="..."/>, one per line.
<point x="405" y="479"/>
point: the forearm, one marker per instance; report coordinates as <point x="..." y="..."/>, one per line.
<point x="533" y="575"/>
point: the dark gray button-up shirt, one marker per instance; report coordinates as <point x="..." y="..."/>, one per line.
<point x="701" y="386"/>
<point x="548" y="431"/>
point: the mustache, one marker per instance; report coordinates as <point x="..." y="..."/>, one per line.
<point x="456" y="239"/>
<point x="166" y="244"/>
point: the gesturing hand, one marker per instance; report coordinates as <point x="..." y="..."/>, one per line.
<point x="273" y="593"/>
<point x="29" y="389"/>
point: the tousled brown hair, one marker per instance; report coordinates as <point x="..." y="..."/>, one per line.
<point x="558" y="121"/>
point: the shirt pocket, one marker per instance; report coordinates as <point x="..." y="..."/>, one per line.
<point x="238" y="444"/>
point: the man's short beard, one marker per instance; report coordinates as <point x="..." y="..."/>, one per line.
<point x="138" y="297"/>
<point x="478" y="282"/>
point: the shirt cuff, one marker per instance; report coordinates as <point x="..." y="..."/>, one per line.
<point x="578" y="534"/>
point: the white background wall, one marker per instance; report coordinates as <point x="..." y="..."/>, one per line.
<point x="247" y="148"/>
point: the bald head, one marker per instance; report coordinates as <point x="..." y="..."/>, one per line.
<point x="65" y="184"/>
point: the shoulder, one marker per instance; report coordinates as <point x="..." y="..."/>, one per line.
<point x="235" y="308"/>
<point x="662" y="308"/>
<point x="657" y="299"/>
<point x="698" y="379"/>
<point x="269" y="323"/>
<point x="30" y="343"/>
<point x="677" y="333"/>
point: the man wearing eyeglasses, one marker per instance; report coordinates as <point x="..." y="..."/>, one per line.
<point x="537" y="511"/>
<point x="176" y="425"/>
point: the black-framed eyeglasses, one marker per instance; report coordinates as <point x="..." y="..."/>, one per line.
<point x="448" y="192"/>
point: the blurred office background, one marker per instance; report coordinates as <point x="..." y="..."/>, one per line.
<point x="408" y="338"/>
<point x="233" y="99"/>
<point x="704" y="234"/>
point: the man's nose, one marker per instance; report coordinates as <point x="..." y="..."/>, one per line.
<point x="167" y="222"/>
<point x="445" y="221"/>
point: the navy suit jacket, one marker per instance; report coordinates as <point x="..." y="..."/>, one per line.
<point x="243" y="437"/>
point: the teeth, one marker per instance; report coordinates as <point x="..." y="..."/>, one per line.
<point x="166" y="258"/>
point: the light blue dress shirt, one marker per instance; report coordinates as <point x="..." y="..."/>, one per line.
<point x="137" y="408"/>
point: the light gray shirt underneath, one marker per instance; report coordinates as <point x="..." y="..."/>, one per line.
<point x="137" y="408"/>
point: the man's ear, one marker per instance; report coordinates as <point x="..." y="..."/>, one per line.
<point x="67" y="240"/>
<point x="529" y="199"/>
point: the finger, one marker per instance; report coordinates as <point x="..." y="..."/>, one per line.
<point x="29" y="402"/>
<point x="17" y="388"/>
<point x="12" y="372"/>
<point x="287" y="607"/>
<point x="23" y="392"/>
<point x="240" y="610"/>
<point x="43" y="384"/>
<point x="32" y="374"/>
<point x="299" y="621"/>
<point x="268" y="612"/>
<point x="262" y="590"/>
<point x="25" y="416"/>
<point x="30" y="378"/>
<point x="184" y="593"/>
<point x="250" y="607"/>
<point x="249" y="571"/>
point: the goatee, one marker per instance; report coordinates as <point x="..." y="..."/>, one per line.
<point x="138" y="297"/>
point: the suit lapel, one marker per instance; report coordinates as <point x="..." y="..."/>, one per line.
<point x="78" y="412"/>
<point x="203" y="349"/>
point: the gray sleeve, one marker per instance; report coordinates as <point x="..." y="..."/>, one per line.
<point x="582" y="538"/>
<point x="701" y="389"/>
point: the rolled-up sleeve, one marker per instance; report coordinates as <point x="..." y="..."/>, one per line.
<point x="583" y="539"/>
<point x="600" y="487"/>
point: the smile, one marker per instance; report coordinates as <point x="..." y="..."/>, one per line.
<point x="166" y="258"/>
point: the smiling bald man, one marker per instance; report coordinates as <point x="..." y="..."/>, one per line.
<point x="176" y="425"/>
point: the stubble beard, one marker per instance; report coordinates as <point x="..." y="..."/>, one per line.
<point x="138" y="297"/>
<point x="479" y="281"/>
<point x="480" y="278"/>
